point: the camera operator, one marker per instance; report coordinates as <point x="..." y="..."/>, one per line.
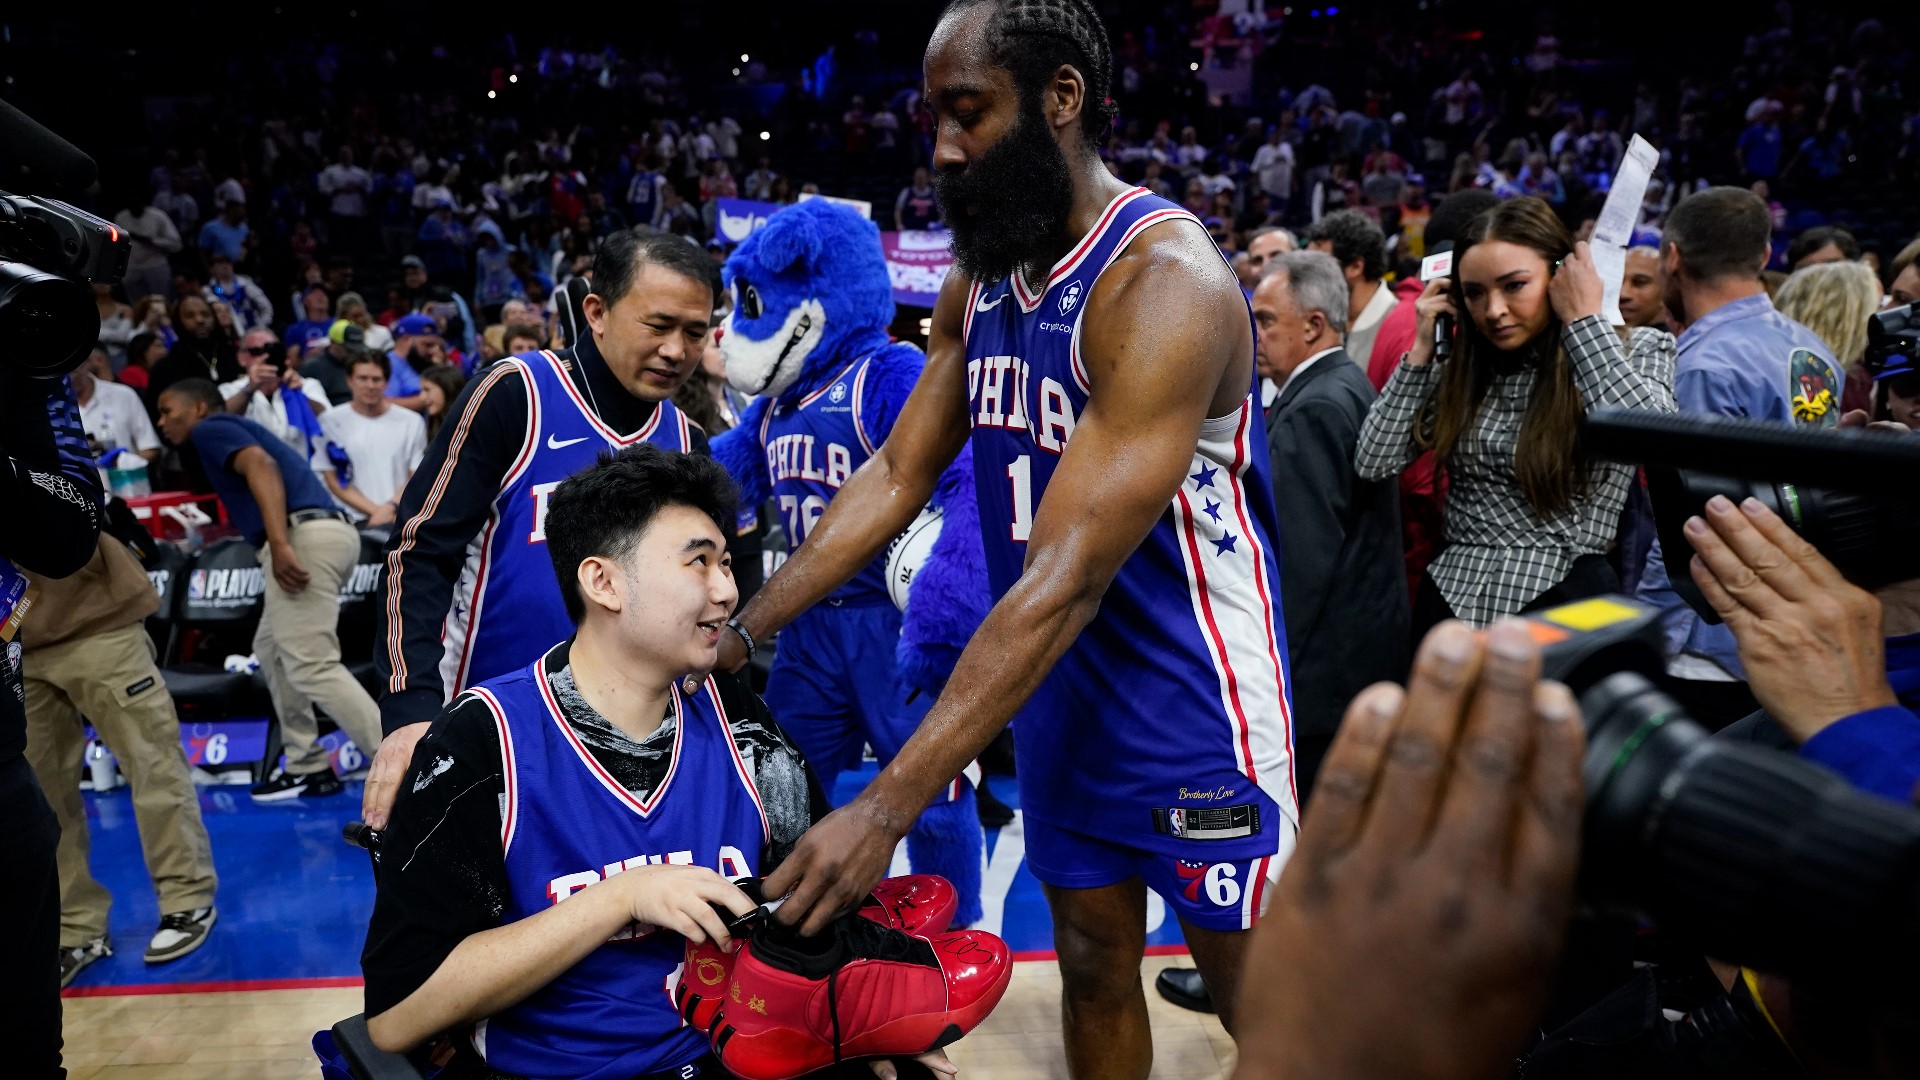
<point x="51" y="525"/>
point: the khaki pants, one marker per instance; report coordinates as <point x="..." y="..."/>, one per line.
<point x="299" y="647"/>
<point x="111" y="679"/>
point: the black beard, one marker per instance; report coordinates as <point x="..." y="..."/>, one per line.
<point x="1008" y="209"/>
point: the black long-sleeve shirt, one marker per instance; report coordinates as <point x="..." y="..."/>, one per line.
<point x="51" y="524"/>
<point x="462" y="472"/>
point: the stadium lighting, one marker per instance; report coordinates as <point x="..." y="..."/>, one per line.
<point x="490" y="95"/>
<point x="513" y="78"/>
<point x="765" y="135"/>
<point x="1195" y="66"/>
<point x="736" y="71"/>
<point x="743" y="58"/>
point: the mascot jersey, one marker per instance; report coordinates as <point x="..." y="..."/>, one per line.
<point x="1164" y="727"/>
<point x="506" y="606"/>
<point x="813" y="445"/>
<point x="566" y="824"/>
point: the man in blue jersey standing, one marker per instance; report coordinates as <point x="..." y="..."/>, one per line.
<point x="1098" y="353"/>
<point x="470" y="594"/>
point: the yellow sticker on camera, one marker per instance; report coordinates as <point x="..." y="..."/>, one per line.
<point x="1589" y="615"/>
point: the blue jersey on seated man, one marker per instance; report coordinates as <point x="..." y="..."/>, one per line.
<point x="592" y="776"/>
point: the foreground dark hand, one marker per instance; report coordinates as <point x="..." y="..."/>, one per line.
<point x="1415" y="928"/>
<point x="833" y="867"/>
<point x="384" y="775"/>
<point x="1810" y="639"/>
<point x="733" y="652"/>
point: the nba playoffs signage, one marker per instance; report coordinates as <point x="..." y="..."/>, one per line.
<point x="917" y="262"/>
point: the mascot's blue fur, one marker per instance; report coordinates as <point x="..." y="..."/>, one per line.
<point x="811" y="297"/>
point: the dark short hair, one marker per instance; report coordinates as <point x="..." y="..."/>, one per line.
<point x="1721" y="232"/>
<point x="617" y="262"/>
<point x="370" y="356"/>
<point x="1818" y="237"/>
<point x="1451" y="215"/>
<point x="528" y="330"/>
<point x="200" y="390"/>
<point x="604" y="509"/>
<point x="1353" y="236"/>
<point x="1033" y="38"/>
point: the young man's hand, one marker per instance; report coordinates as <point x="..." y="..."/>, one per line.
<point x="681" y="899"/>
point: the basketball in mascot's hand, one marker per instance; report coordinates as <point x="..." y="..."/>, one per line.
<point x="908" y="553"/>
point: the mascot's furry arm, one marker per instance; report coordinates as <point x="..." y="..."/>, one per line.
<point x="950" y="596"/>
<point x="745" y="459"/>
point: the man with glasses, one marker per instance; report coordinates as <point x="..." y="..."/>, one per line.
<point x="272" y="396"/>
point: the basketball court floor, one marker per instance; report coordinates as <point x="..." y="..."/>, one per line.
<point x="284" y="959"/>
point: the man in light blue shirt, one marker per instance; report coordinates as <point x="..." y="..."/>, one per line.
<point x="1737" y="357"/>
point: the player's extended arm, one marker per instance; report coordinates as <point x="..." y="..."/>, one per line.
<point x="882" y="496"/>
<point x="1157" y="370"/>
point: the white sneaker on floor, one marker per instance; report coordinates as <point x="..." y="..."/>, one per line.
<point x="180" y="933"/>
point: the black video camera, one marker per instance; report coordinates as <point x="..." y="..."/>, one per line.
<point x="1756" y="856"/>
<point x="50" y="256"/>
<point x="1893" y="349"/>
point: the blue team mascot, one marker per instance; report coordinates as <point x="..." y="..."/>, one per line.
<point x="808" y="338"/>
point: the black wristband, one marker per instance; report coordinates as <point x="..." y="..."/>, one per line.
<point x="745" y="636"/>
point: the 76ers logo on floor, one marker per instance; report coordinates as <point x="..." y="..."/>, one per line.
<point x="1220" y="880"/>
<point x="1069" y="297"/>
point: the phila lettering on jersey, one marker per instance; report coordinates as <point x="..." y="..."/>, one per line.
<point x="1178" y="688"/>
<point x="565" y="824"/>
<point x="506" y="605"/>
<point x="813" y="445"/>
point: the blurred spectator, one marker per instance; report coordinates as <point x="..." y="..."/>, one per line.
<point x="441" y="387"/>
<point x="1529" y="517"/>
<point x="645" y="191"/>
<point x="1760" y="146"/>
<point x="328" y="367"/>
<point x="346" y="185"/>
<point x="200" y="351"/>
<point x="380" y="442"/>
<point x="1641" y="303"/>
<point x="281" y="402"/>
<point x="759" y="182"/>
<point x="1896" y="392"/>
<point x="1905" y="283"/>
<point x="248" y="302"/>
<point x="1266" y="242"/>
<point x="493" y="280"/>
<point x="520" y="338"/>
<point x="116" y="321"/>
<point x="173" y="199"/>
<point x="417" y="346"/>
<point x="154" y="239"/>
<point x="1822" y="244"/>
<point x="915" y="207"/>
<point x="112" y="415"/>
<point x="307" y="549"/>
<point x="444" y="242"/>
<point x="1386" y="181"/>
<point x="1738" y="356"/>
<point x="1273" y="165"/>
<point x="310" y="332"/>
<point x="353" y="308"/>
<point x="144" y="353"/>
<point x="1360" y="248"/>
<point x="227" y="235"/>
<point x="1835" y="300"/>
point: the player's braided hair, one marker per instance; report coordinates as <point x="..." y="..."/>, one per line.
<point x="1032" y="38"/>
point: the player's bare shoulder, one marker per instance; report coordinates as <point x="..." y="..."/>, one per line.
<point x="1169" y="298"/>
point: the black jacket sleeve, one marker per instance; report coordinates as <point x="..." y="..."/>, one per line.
<point x="52" y="490"/>
<point x="440" y="513"/>
<point x="1312" y="447"/>
<point x="443" y="875"/>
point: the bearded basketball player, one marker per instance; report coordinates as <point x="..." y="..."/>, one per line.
<point x="1097" y="351"/>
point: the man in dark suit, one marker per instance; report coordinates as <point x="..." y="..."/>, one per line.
<point x="1343" y="585"/>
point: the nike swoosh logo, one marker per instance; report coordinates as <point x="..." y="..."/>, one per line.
<point x="561" y="444"/>
<point x="982" y="305"/>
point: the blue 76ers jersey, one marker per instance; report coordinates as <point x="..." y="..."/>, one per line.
<point x="507" y="608"/>
<point x="1165" y="725"/>
<point x="566" y="824"/>
<point x="813" y="446"/>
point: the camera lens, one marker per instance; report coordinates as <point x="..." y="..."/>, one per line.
<point x="49" y="323"/>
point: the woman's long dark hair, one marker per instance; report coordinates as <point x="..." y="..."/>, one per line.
<point x="1548" y="463"/>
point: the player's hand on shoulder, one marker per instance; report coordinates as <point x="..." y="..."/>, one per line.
<point x="681" y="899"/>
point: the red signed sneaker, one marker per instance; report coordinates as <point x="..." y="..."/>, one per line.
<point x="917" y="904"/>
<point x="859" y="990"/>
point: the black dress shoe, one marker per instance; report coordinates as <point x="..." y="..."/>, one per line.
<point x="1185" y="988"/>
<point x="994" y="814"/>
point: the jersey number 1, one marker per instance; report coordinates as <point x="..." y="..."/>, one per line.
<point x="1021" y="474"/>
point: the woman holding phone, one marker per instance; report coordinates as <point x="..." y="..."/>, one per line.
<point x="1530" y="515"/>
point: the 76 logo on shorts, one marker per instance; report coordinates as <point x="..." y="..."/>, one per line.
<point x="1220" y="880"/>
